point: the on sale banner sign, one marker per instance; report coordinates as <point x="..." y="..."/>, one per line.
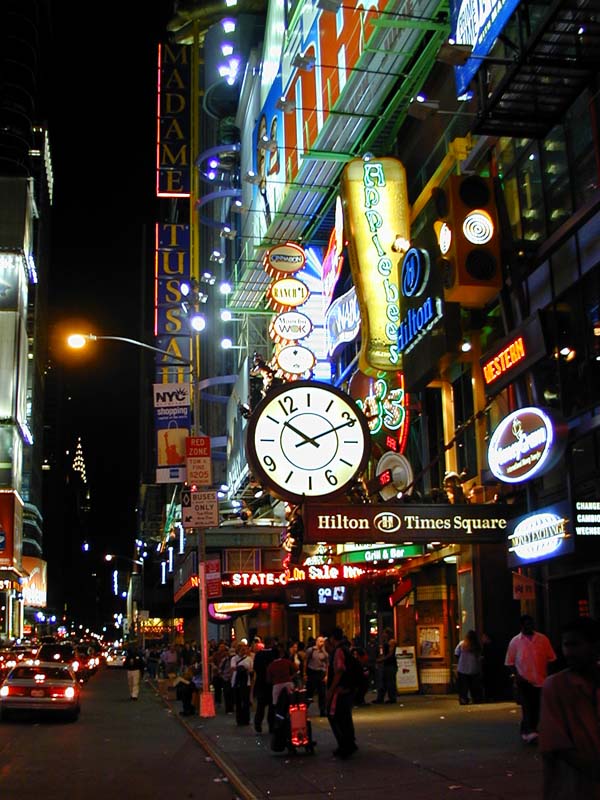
<point x="197" y="459"/>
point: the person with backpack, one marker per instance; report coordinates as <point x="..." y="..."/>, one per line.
<point x="341" y="686"/>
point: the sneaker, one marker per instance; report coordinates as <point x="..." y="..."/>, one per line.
<point x="529" y="738"/>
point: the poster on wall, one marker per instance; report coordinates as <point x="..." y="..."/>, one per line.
<point x="430" y="641"/>
<point x="407" y="677"/>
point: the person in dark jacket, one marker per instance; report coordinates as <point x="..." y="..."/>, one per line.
<point x="134" y="664"/>
<point x="262" y="690"/>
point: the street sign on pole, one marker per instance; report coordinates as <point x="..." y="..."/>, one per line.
<point x="199" y="509"/>
<point x="197" y="459"/>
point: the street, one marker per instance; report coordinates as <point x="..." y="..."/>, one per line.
<point x="426" y="746"/>
<point x="119" y="749"/>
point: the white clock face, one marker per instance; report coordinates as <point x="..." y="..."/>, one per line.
<point x="307" y="439"/>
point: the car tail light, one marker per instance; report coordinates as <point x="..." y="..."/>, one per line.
<point x="69" y="692"/>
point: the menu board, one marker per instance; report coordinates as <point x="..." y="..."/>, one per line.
<point x="407" y="678"/>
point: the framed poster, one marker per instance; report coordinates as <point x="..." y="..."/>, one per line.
<point x="430" y="642"/>
<point x="407" y="677"/>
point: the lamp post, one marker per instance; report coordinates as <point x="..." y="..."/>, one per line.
<point x="137" y="562"/>
<point x="77" y="341"/>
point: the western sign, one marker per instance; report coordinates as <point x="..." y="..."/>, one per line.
<point x="336" y="523"/>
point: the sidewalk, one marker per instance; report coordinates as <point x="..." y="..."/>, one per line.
<point x="427" y="747"/>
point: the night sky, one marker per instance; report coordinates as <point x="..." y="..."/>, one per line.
<point x="101" y="110"/>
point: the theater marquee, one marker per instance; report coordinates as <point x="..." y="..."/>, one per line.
<point x="445" y="524"/>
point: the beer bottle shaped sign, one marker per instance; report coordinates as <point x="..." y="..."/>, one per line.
<point x="377" y="229"/>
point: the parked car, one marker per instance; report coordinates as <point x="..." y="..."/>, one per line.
<point x="40" y="687"/>
<point x="116" y="657"/>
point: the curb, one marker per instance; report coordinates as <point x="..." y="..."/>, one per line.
<point x="239" y="782"/>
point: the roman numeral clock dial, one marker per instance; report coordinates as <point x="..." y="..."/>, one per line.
<point x="307" y="439"/>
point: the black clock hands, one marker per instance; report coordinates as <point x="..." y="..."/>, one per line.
<point x="324" y="433"/>
<point x="305" y="436"/>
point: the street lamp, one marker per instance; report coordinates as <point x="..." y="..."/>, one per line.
<point x="137" y="562"/>
<point x="79" y="340"/>
<point x="207" y="704"/>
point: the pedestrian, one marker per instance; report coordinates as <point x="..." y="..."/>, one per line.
<point x="280" y="674"/>
<point x="241" y="665"/>
<point x="134" y="664"/>
<point x="469" y="654"/>
<point x="216" y="660"/>
<point x="317" y="661"/>
<point x="298" y="661"/>
<point x="340" y="696"/>
<point x="262" y="690"/>
<point x="169" y="660"/>
<point x="226" y="674"/>
<point x="361" y="655"/>
<point x="388" y="669"/>
<point x="185" y="687"/>
<point x="528" y="656"/>
<point x="569" y="723"/>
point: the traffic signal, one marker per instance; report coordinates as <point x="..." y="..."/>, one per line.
<point x="468" y="238"/>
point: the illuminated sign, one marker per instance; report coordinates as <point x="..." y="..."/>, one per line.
<point x="376" y="215"/>
<point x="333" y="259"/>
<point x="535" y="537"/>
<point x="383" y="552"/>
<point x="322" y="572"/>
<point x="525" y="444"/>
<point x="284" y="259"/>
<point x="287" y="293"/>
<point x="295" y="360"/>
<point x="513" y="355"/>
<point x="587" y="517"/>
<point x="477" y="24"/>
<point x="417" y="319"/>
<point x="506" y="358"/>
<point x="291" y="326"/>
<point x="331" y="595"/>
<point x="342" y="321"/>
<point x="383" y="402"/>
<point x="172" y="150"/>
<point x="171" y="326"/>
<point x="34" y="586"/>
<point x="403" y="523"/>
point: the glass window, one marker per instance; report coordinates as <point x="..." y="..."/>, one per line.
<point x="463" y="410"/>
<point x="555" y="168"/>
<point x="531" y="196"/>
<point x="242" y="560"/>
<point x="582" y="152"/>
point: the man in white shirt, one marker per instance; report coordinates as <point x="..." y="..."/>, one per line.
<point x="528" y="656"/>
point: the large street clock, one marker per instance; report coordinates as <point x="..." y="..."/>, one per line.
<point x="307" y="439"/>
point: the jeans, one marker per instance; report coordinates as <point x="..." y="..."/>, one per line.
<point x="530" y="697"/>
<point x="133" y="681"/>
<point x="263" y="696"/>
<point x="469" y="684"/>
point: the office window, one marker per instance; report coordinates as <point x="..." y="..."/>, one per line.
<point x="242" y="560"/>
<point x="582" y="151"/>
<point x="555" y="168"/>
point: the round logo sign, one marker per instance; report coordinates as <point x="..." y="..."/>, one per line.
<point x="415" y="272"/>
<point x="538" y="536"/>
<point x="287" y="293"/>
<point x="523" y="445"/>
<point x="291" y="326"/>
<point x="295" y="360"/>
<point x="284" y="259"/>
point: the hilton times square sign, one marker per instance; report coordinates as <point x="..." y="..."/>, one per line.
<point x="336" y="523"/>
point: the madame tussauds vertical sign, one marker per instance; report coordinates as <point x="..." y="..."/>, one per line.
<point x="376" y="217"/>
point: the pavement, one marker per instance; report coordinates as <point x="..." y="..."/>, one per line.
<point x="427" y="747"/>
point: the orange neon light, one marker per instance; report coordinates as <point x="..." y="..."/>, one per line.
<point x="504" y="360"/>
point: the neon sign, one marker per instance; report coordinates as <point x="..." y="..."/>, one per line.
<point x="538" y="536"/>
<point x="414" y="280"/>
<point x="587" y="518"/>
<point x="505" y="360"/>
<point x="376" y="211"/>
<point x="384" y="403"/>
<point x="322" y="572"/>
<point x="521" y="446"/>
<point x="287" y="293"/>
<point x="284" y="259"/>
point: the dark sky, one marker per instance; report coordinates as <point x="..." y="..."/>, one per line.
<point x="101" y="113"/>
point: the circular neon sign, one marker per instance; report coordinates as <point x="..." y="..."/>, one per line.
<point x="523" y="445"/>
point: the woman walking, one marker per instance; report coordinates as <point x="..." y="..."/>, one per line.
<point x="469" y="669"/>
